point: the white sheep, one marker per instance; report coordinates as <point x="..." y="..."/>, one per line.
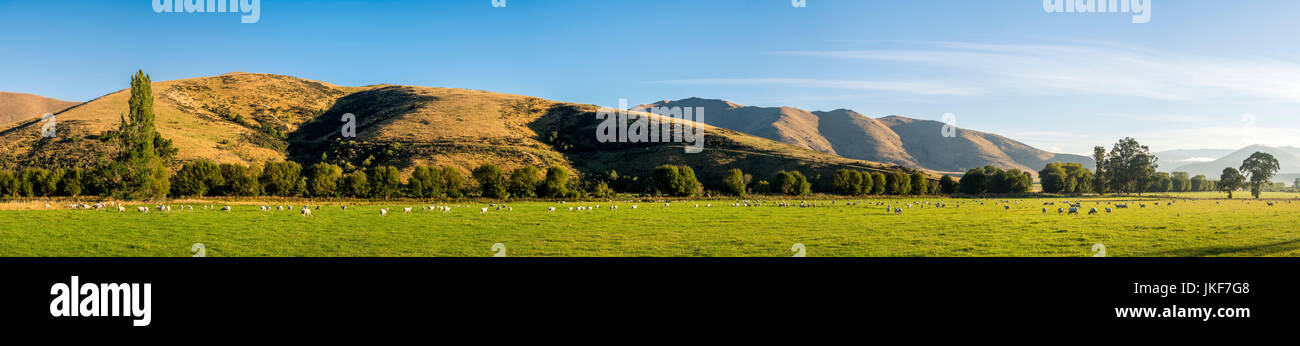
<point x="143" y="209"/>
<point x="121" y="209"/>
<point x="483" y="211"/>
<point x="306" y="211"/>
<point x="383" y="212"/>
<point x="550" y="210"/>
<point x="406" y="210"/>
<point x="227" y="208"/>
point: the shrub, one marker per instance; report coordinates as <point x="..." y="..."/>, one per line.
<point x="920" y="185"/>
<point x="281" y="178"/>
<point x="735" y="182"/>
<point x="677" y="181"/>
<point x="523" y="181"/>
<point x="385" y="181"/>
<point x="197" y="178"/>
<point x="453" y="184"/>
<point x="556" y="184"/>
<point x="426" y="182"/>
<point x="324" y="179"/>
<point x="492" y="181"/>
<point x="355" y="184"/>
<point x="947" y="185"/>
<point x="240" y="180"/>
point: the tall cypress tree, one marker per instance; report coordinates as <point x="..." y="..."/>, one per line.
<point x="144" y="174"/>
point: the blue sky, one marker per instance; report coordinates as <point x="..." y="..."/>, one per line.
<point x="1200" y="74"/>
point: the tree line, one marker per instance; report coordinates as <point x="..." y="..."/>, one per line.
<point x="1129" y="167"/>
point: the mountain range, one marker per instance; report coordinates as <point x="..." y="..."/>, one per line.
<point x="892" y="139"/>
<point x="249" y="118"/>
<point x="1287" y="157"/>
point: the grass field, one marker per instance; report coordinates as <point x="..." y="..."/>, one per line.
<point x="976" y="228"/>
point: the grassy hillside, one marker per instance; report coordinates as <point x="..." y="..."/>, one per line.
<point x="894" y="139"/>
<point x="255" y="118"/>
<point x="924" y="139"/>
<point x="236" y="118"/>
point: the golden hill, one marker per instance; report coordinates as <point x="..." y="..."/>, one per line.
<point x="234" y="118"/>
<point x="893" y="139"/>
<point x="255" y="118"/>
<point x="15" y="107"/>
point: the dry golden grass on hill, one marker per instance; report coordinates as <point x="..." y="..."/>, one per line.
<point x="250" y="118"/>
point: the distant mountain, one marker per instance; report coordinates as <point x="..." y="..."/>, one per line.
<point x="15" y="107"/>
<point x="892" y="139"/>
<point x="1289" y="160"/>
<point x="1181" y="157"/>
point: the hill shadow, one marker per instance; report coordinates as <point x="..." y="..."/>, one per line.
<point x="1251" y="250"/>
<point x="371" y="108"/>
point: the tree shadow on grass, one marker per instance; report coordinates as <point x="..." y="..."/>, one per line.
<point x="1252" y="250"/>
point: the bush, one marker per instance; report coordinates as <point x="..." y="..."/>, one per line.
<point x="677" y="181"/>
<point x="197" y="178"/>
<point x="920" y="185"/>
<point x="556" y="184"/>
<point x="355" y="184"/>
<point x="324" y="180"/>
<point x="524" y="181"/>
<point x="385" y="181"/>
<point x="973" y="182"/>
<point x="453" y="184"/>
<point x="71" y="184"/>
<point x="281" y="178"/>
<point x="8" y="185"/>
<point x="792" y="183"/>
<point x="897" y="183"/>
<point x="734" y="183"/>
<point x="491" y="181"/>
<point x="602" y="190"/>
<point x="426" y="182"/>
<point x="845" y="182"/>
<point x="947" y="185"/>
<point x="240" y="180"/>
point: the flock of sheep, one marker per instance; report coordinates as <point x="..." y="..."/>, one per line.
<point x="892" y="207"/>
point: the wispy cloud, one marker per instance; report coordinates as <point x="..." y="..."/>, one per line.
<point x="1099" y="69"/>
<point x="904" y="87"/>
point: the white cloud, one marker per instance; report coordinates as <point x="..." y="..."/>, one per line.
<point x="905" y="87"/>
<point x="1100" y="69"/>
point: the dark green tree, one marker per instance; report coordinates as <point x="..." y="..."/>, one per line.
<point x="385" y="182"/>
<point x="1230" y="181"/>
<point x="323" y="181"/>
<point x="947" y="185"/>
<point x="492" y="181"/>
<point x="734" y="182"/>
<point x="524" y="181"/>
<point x="1260" y="168"/>
<point x="556" y="184"/>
